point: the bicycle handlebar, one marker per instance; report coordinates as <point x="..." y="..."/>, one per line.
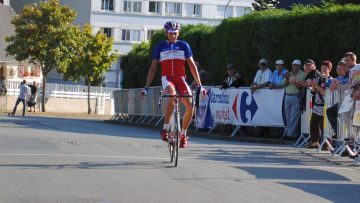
<point x="176" y="95"/>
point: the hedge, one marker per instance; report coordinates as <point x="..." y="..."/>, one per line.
<point x="320" y="33"/>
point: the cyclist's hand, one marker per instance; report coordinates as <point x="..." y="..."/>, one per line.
<point x="202" y="91"/>
<point x="145" y="91"/>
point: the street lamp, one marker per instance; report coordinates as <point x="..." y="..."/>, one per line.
<point x="226" y="7"/>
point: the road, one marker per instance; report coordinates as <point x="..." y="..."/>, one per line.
<point x="44" y="159"/>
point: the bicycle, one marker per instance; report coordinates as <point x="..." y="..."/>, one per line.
<point x="175" y="127"/>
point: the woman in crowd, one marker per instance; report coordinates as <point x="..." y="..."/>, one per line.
<point x="318" y="87"/>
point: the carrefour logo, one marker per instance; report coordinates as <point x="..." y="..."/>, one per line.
<point x="244" y="107"/>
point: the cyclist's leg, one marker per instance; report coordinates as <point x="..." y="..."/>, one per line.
<point x="188" y="113"/>
<point x="183" y="89"/>
<point x="170" y="104"/>
<point x="168" y="88"/>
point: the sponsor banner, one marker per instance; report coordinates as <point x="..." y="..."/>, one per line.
<point x="240" y="107"/>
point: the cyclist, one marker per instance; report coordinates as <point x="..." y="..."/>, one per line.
<point x="172" y="54"/>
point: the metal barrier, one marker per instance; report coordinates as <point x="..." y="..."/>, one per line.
<point x="131" y="107"/>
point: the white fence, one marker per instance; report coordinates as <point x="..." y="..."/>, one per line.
<point x="55" y="90"/>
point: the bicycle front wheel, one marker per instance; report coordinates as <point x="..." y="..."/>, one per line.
<point x="171" y="146"/>
<point x="176" y="141"/>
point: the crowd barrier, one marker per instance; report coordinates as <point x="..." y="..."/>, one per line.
<point x="239" y="107"/>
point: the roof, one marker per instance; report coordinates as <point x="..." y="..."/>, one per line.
<point x="7" y="29"/>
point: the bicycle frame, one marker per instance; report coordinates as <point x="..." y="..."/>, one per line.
<point x="175" y="127"/>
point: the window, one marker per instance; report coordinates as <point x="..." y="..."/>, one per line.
<point x="130" y="35"/>
<point x="173" y="8"/>
<point x="221" y="10"/>
<point x="247" y="10"/>
<point x="154" y="7"/>
<point x="107" y="31"/>
<point x="132" y="6"/>
<point x="107" y="5"/>
<point x="150" y="33"/>
<point x="197" y="10"/>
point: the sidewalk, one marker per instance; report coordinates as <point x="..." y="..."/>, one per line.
<point x="64" y="115"/>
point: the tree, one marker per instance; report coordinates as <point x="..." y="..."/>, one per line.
<point x="261" y="5"/>
<point x="342" y="2"/>
<point x="90" y="57"/>
<point x="42" y="33"/>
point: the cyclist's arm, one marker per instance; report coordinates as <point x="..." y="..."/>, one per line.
<point x="193" y="70"/>
<point x="152" y="72"/>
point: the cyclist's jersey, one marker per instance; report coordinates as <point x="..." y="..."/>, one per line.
<point x="172" y="57"/>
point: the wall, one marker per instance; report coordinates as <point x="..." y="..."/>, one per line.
<point x="56" y="105"/>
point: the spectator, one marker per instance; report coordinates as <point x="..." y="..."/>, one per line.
<point x="205" y="80"/>
<point x="350" y="60"/>
<point x="351" y="66"/>
<point x="234" y="78"/>
<point x="204" y="76"/>
<point x="318" y="91"/>
<point x="278" y="75"/>
<point x="311" y="74"/>
<point x="292" y="108"/>
<point x="32" y="101"/>
<point x="342" y="79"/>
<point x="21" y="98"/>
<point x="262" y="77"/>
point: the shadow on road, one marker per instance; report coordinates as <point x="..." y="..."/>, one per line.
<point x="331" y="191"/>
<point x="70" y="125"/>
<point x="140" y="165"/>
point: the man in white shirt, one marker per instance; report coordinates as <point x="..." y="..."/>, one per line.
<point x="263" y="76"/>
<point x="24" y="90"/>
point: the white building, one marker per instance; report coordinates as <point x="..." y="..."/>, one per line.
<point x="133" y="21"/>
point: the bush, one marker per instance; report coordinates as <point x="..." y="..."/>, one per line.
<point x="320" y="33"/>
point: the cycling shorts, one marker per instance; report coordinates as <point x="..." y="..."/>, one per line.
<point x="178" y="82"/>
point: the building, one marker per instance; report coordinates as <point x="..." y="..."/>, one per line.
<point x="132" y="21"/>
<point x="10" y="69"/>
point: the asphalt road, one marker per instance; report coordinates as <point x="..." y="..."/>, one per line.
<point x="45" y="159"/>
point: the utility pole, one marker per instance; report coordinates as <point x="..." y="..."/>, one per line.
<point x="226" y="7"/>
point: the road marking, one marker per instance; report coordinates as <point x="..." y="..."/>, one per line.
<point x="84" y="155"/>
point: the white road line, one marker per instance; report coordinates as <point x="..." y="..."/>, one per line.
<point x="84" y="155"/>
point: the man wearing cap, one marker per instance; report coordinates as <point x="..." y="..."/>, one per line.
<point x="278" y="75"/>
<point x="292" y="108"/>
<point x="311" y="74"/>
<point x="234" y="78"/>
<point x="262" y="77"/>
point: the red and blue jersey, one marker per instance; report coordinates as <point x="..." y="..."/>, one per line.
<point x="172" y="57"/>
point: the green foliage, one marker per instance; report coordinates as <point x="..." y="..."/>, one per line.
<point x="320" y="33"/>
<point x="342" y="2"/>
<point x="261" y="5"/>
<point x="90" y="57"/>
<point x="137" y="62"/>
<point x="42" y="33"/>
<point x="135" y="66"/>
